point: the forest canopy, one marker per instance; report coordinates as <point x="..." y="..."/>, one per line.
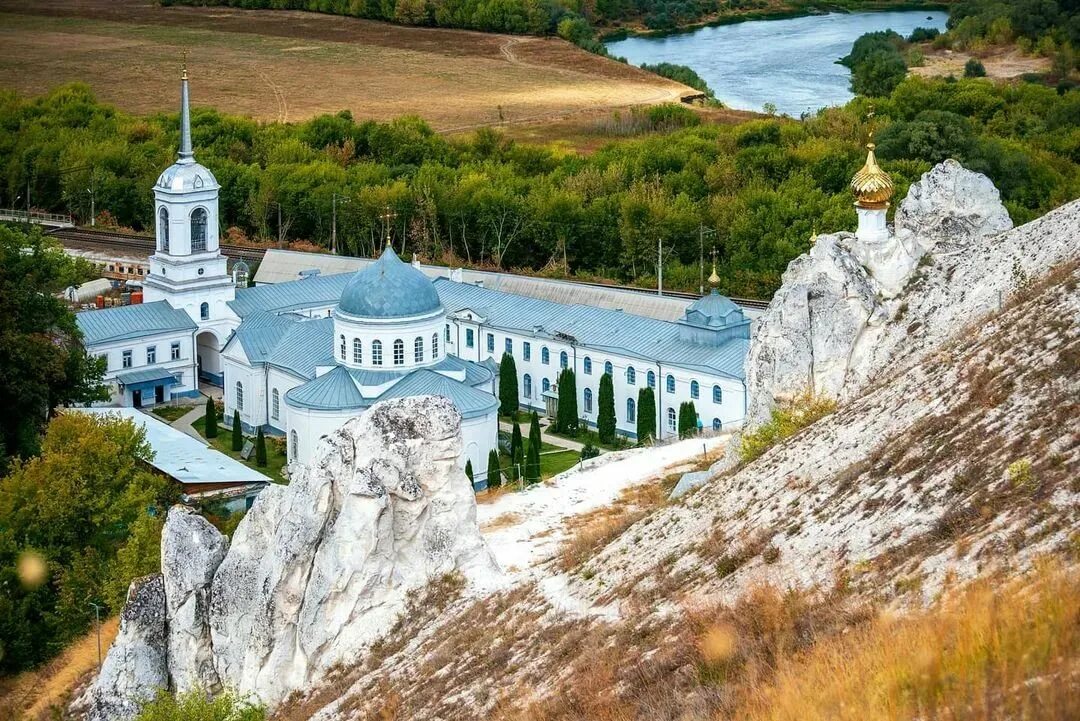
<point x="755" y="191"/>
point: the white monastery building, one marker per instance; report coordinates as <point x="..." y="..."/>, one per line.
<point x="299" y="358"/>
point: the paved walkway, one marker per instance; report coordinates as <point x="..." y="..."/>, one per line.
<point x="183" y="423"/>
<point x="564" y="443"/>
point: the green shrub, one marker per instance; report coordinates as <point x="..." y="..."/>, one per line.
<point x="786" y="420"/>
<point x="589" y="451"/>
<point x="974" y="68"/>
<point x="237" y="432"/>
<point x="196" y="706"/>
<point x="211" y="418"/>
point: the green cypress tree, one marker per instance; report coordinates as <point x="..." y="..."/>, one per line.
<point x="260" y="448"/>
<point x="494" y="474"/>
<point x="508" y="385"/>
<point x="566" y="415"/>
<point x="517" y="453"/>
<point x="237" y="432"/>
<point x="605" y="421"/>
<point x="211" y="418"/>
<point x="468" y="470"/>
<point x="532" y="460"/>
<point x="687" y="419"/>
<point x="646" y="415"/>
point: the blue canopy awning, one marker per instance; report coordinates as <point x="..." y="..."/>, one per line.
<point x="146" y="378"/>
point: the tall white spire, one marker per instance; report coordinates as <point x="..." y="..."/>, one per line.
<point x="186" y="154"/>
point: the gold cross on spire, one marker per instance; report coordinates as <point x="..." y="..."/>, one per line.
<point x="183" y="65"/>
<point x="714" y="279"/>
<point x="387" y="217"/>
<point x="870" y="114"/>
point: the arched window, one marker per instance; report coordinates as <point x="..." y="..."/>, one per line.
<point x="717" y="395"/>
<point x="198" y="230"/>
<point x="341" y="346"/>
<point x="695" y="389"/>
<point x="376" y="352"/>
<point x="357" y="351"/>
<point x="294" y="446"/>
<point x="546" y="385"/>
<point x="418" y="350"/>
<point x="671" y="419"/>
<point x="564" y="360"/>
<point x="434" y="346"/>
<point x="587" y="363"/>
<point x="239" y="396"/>
<point x="716" y="424"/>
<point x="399" y="352"/>
<point x="671" y="384"/>
<point x="588" y="400"/>
<point x="631" y="410"/>
<point x="545" y="355"/>
<point x="163" y="229"/>
<point x="204" y="311"/>
<point x="527" y="383"/>
<point x="650" y="378"/>
<point x="631" y="376"/>
<point x="275" y="404"/>
<point x="608" y="368"/>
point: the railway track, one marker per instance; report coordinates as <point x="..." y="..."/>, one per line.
<point x="141" y="243"/>
<point x="145" y="244"/>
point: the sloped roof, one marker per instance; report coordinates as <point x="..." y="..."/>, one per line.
<point x="595" y="328"/>
<point x="295" y="295"/>
<point x="260" y="333"/>
<point x="132" y="321"/>
<point x="334" y="390"/>
<point x="469" y="401"/>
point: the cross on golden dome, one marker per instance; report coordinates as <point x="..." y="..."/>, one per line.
<point x="872" y="186"/>
<point x="714" y="279"/>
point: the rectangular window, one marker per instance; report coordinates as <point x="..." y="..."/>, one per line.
<point x="508" y="346"/>
<point x="469" y="338"/>
<point x="491" y="342"/>
<point x="526" y="350"/>
<point x="447" y="332"/>
<point x="151" y="355"/>
<point x="125" y="359"/>
<point x="174" y="351"/>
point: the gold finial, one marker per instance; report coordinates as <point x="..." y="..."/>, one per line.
<point x="387" y="217"/>
<point x="872" y="186"/>
<point x="813" y="235"/>
<point x="714" y="279"/>
<point x="183" y="65"/>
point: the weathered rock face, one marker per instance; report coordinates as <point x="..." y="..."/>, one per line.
<point x="135" y="668"/>
<point x="322" y="567"/>
<point x="845" y="311"/>
<point x="191" y="551"/>
<point x="949" y="207"/>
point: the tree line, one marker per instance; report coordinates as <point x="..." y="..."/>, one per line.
<point x="756" y="192"/>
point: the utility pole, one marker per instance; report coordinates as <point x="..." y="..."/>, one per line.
<point x="97" y="622"/>
<point x="333" y="224"/>
<point x="659" y="266"/>
<point x="93" y="210"/>
<point x="279" y="235"/>
<point x="702" y="232"/>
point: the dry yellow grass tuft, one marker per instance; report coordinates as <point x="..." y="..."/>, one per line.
<point x="35" y="694"/>
<point x="991" y="652"/>
<point x="592" y="531"/>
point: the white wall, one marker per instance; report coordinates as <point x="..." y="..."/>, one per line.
<point x="113" y="353"/>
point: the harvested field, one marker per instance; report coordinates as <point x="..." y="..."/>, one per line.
<point x="1000" y="64"/>
<point x="289" y="66"/>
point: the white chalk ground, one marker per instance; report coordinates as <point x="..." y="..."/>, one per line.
<point x="532" y="522"/>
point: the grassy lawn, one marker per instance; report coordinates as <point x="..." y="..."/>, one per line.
<point x="590" y="436"/>
<point x="170" y="413"/>
<point x="275" y="459"/>
<point x="551" y="463"/>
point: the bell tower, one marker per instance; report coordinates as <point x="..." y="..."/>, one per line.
<point x="187" y="268"/>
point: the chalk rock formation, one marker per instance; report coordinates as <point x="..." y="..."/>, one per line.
<point x="835" y="322"/>
<point x="949" y="207"/>
<point x="191" y="551"/>
<point x="135" y="668"/>
<point x="322" y="567"/>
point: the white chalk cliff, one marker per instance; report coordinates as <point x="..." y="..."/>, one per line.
<point x="849" y="308"/>
<point x="316" y="571"/>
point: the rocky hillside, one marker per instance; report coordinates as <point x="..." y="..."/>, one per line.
<point x="953" y="454"/>
<point x="366" y="589"/>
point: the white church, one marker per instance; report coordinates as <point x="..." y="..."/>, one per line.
<point x="299" y="358"/>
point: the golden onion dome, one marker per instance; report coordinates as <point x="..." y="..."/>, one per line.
<point x="872" y="186"/>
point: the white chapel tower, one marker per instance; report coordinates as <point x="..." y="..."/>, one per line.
<point x="187" y="269"/>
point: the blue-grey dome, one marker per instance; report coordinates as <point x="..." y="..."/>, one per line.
<point x="389" y="288"/>
<point x="713" y="310"/>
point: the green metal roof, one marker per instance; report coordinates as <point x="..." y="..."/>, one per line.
<point x="132" y="321"/>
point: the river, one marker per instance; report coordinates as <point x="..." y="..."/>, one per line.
<point x="790" y="63"/>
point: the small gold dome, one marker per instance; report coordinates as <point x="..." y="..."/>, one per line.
<point x="872" y="186"/>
